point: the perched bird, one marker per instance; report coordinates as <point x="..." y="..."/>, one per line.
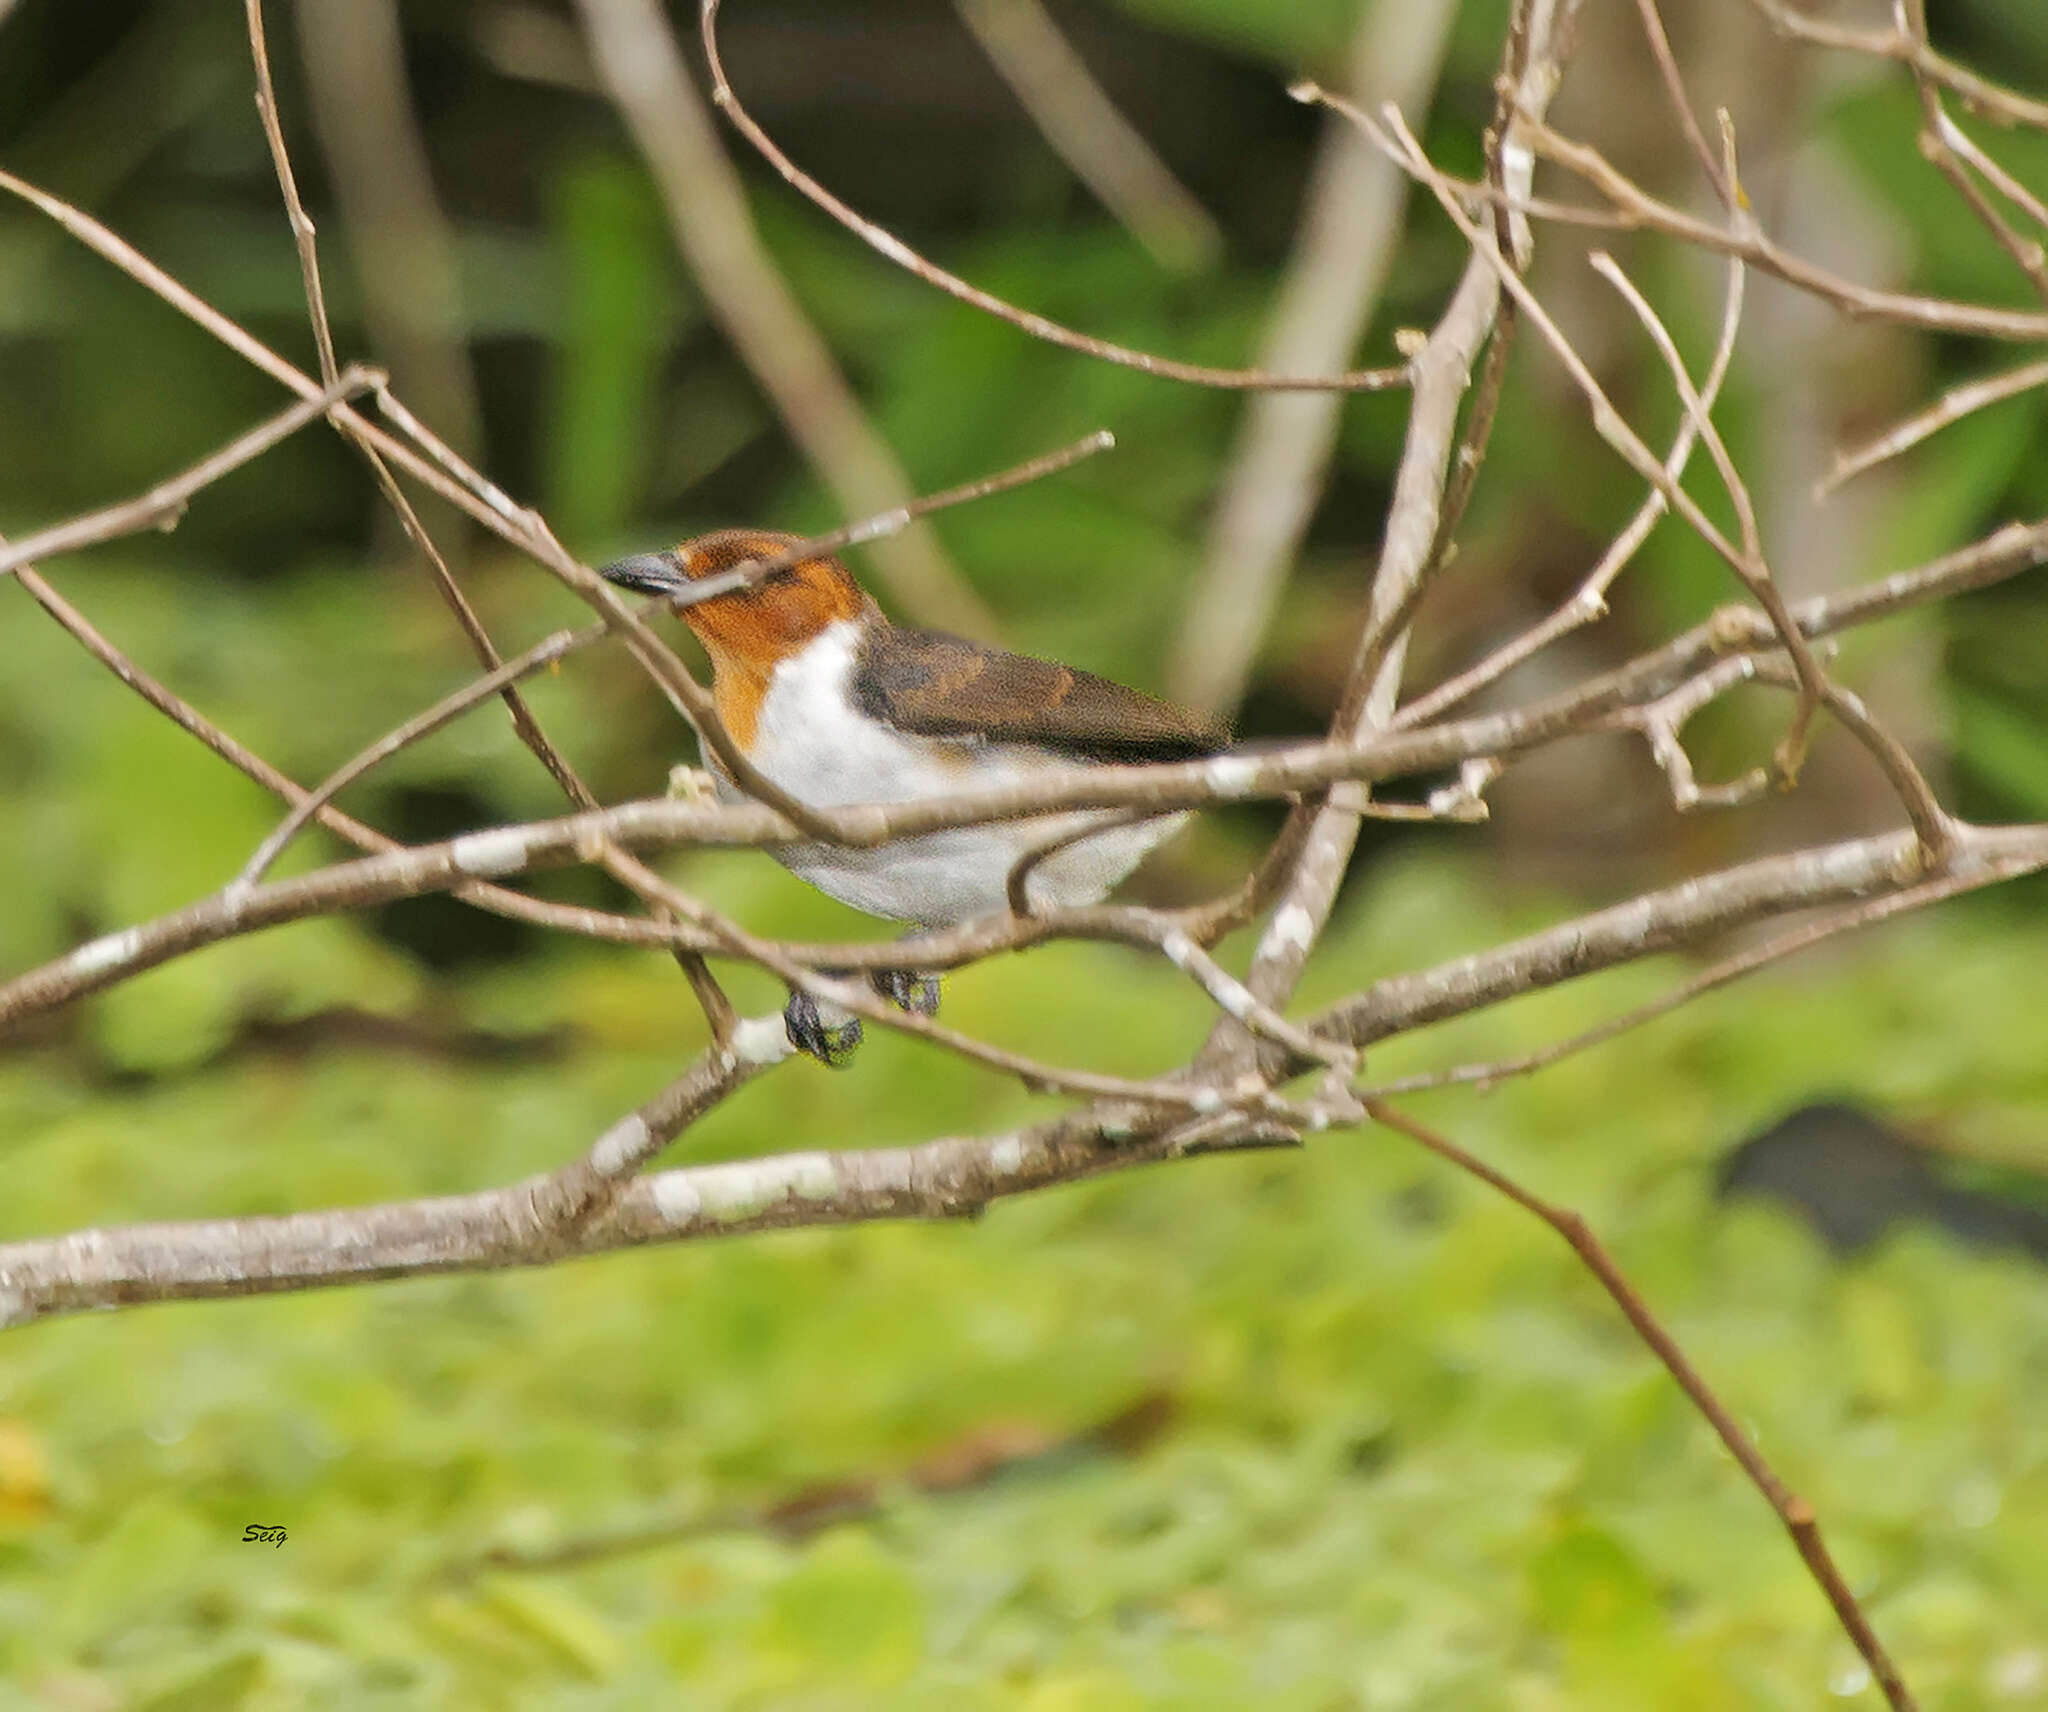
<point x="837" y="705"/>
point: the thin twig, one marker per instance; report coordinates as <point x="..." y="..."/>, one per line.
<point x="1038" y="326"/>
<point x="1681" y="105"/>
<point x="163" y="505"/>
<point x="304" y="236"/>
<point x="1952" y="406"/>
<point x="751" y="571"/>
<point x="1793" y="1511"/>
<point x="1344" y="247"/>
<point x="544" y="653"/>
<point x="362" y="111"/>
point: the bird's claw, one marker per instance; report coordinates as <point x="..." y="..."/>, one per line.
<point x="831" y="1036"/>
<point x="908" y="990"/>
<point x="831" y="1041"/>
<point x="692" y="785"/>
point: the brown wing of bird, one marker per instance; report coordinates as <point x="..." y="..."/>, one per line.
<point x="936" y="685"/>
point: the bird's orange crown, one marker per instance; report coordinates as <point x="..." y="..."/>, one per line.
<point x="750" y="631"/>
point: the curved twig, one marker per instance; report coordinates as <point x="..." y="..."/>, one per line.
<point x="887" y="244"/>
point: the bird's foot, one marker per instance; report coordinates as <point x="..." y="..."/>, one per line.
<point x="821" y="1029"/>
<point x="908" y="990"/>
<point x="830" y="1035"/>
<point x="692" y="785"/>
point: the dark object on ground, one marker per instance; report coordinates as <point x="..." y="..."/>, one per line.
<point x="1853" y="1177"/>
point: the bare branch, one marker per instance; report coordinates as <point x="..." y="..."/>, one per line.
<point x="520" y="1225"/>
<point x="163" y="505"/>
<point x="1796" y="1514"/>
<point x="1952" y="406"/>
<point x="896" y="250"/>
<point x="1715" y="975"/>
<point x="1676" y="916"/>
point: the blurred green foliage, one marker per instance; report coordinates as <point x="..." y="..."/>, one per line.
<point x="1403" y="1453"/>
<point x="1410" y="1456"/>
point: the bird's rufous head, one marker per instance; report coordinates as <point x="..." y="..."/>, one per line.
<point x="748" y="630"/>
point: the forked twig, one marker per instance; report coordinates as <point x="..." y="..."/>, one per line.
<point x="163" y="505"/>
<point x="1588" y="601"/>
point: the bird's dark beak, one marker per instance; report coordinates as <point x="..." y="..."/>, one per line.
<point x="650" y="573"/>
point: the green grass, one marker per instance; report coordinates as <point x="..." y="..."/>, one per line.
<point x="1410" y="1456"/>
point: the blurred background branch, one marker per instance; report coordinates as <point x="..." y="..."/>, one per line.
<point x="404" y="252"/>
<point x="1079" y="120"/>
<point x="1343" y="250"/>
<point x="637" y="58"/>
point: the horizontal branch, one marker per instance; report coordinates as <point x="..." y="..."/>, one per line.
<point x="1672" y="919"/>
<point x="502" y="851"/>
<point x="520" y="1224"/>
